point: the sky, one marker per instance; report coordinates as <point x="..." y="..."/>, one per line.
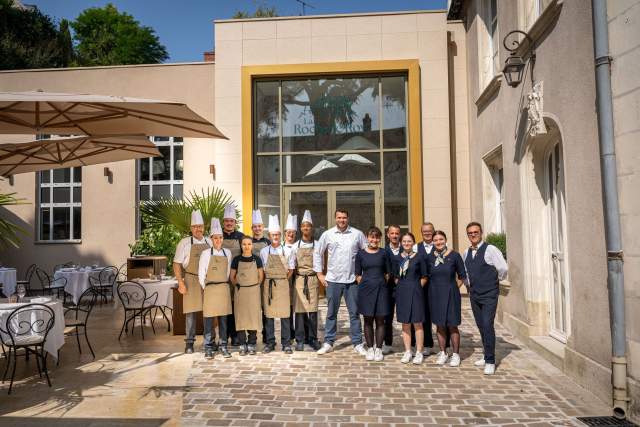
<point x="185" y="27"/>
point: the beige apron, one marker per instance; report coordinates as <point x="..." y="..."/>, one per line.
<point x="233" y="245"/>
<point x="306" y="284"/>
<point x="247" y="304"/>
<point x="217" y="295"/>
<point x="192" y="300"/>
<point x="276" y="298"/>
<point x="257" y="247"/>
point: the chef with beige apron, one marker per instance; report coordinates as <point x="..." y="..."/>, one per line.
<point x="257" y="229"/>
<point x="232" y="242"/>
<point x="306" y="285"/>
<point x="185" y="266"/>
<point x="213" y="275"/>
<point x="276" y="298"/>
<point x="290" y="238"/>
<point x="246" y="276"/>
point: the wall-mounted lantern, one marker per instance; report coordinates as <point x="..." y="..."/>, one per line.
<point x="514" y="66"/>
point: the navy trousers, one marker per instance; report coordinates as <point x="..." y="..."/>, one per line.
<point x="484" y="312"/>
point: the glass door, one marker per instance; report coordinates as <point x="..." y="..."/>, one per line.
<point x="315" y="199"/>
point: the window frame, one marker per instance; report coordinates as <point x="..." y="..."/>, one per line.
<point x="171" y="143"/>
<point x="488" y="43"/>
<point x="51" y="205"/>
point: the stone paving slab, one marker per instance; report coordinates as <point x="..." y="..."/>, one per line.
<point x="342" y="388"/>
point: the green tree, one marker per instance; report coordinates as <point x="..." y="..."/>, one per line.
<point x="30" y="39"/>
<point x="106" y="36"/>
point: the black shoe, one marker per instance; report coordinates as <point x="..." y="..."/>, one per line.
<point x="235" y="342"/>
<point x="225" y="352"/>
<point x="268" y="348"/>
<point x="287" y="350"/>
<point x="215" y="347"/>
<point x="299" y="347"/>
<point x="208" y="353"/>
<point x="252" y="350"/>
<point x="243" y="350"/>
<point x="315" y="345"/>
<point x="188" y="348"/>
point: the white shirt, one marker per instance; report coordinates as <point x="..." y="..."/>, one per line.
<point x="342" y="247"/>
<point x="183" y="250"/>
<point x="293" y="261"/>
<point x="280" y="250"/>
<point x="204" y="263"/>
<point x="427" y="246"/>
<point x="492" y="256"/>
<point x="397" y="250"/>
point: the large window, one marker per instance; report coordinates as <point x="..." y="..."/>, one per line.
<point x="162" y="177"/>
<point x="60" y="204"/>
<point x="493" y="192"/>
<point x="333" y="130"/>
<point x="489" y="44"/>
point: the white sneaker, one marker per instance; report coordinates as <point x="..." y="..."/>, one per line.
<point x="455" y="360"/>
<point x="442" y="358"/>
<point x="370" y="354"/>
<point x="426" y="351"/>
<point x="489" y="369"/>
<point x="418" y="358"/>
<point x="406" y="358"/>
<point x="326" y="348"/>
<point x="479" y="363"/>
<point x="386" y="349"/>
<point x="378" y="355"/>
<point x="360" y="349"/>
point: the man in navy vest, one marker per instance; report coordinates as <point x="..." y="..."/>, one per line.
<point x="392" y="250"/>
<point x="485" y="266"/>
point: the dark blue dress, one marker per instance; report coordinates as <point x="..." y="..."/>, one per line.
<point x="409" y="292"/>
<point x="444" y="295"/>
<point x="373" y="296"/>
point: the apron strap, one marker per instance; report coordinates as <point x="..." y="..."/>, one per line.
<point x="272" y="283"/>
<point x="238" y="286"/>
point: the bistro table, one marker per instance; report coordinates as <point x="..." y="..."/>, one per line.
<point x="55" y="339"/>
<point x="164" y="289"/>
<point x="77" y="280"/>
<point x="8" y="279"/>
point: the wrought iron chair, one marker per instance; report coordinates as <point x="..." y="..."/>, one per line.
<point x="136" y="305"/>
<point x="81" y="312"/>
<point x="27" y="278"/>
<point x="105" y="282"/>
<point x="49" y="284"/>
<point x="27" y="328"/>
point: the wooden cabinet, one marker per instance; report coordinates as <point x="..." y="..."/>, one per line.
<point x="143" y="266"/>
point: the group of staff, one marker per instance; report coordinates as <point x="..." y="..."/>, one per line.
<point x="243" y="284"/>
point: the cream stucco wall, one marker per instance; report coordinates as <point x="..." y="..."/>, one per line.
<point x="420" y="35"/>
<point x="109" y="209"/>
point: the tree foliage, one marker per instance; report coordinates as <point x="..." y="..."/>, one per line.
<point x="30" y="39"/>
<point x="106" y="36"/>
<point x="262" y="11"/>
<point x="10" y="232"/>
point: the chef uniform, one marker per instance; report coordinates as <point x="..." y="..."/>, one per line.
<point x="187" y="254"/>
<point x="276" y="298"/>
<point x="232" y="242"/>
<point x="213" y="274"/>
<point x="292" y="225"/>
<point x="262" y="242"/>
<point x="247" y="301"/>
<point x="305" y="290"/>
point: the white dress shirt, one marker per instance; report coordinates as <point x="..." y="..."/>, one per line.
<point x="492" y="256"/>
<point x="427" y="246"/>
<point x="342" y="247"/>
<point x="398" y="249"/>
<point x="280" y="250"/>
<point x="183" y="250"/>
<point x="204" y="263"/>
<point x="293" y="261"/>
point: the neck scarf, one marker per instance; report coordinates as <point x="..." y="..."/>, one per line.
<point x="440" y="256"/>
<point x="405" y="262"/>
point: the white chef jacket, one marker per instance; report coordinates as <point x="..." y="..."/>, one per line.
<point x="300" y="244"/>
<point x="342" y="247"/>
<point x="492" y="256"/>
<point x="183" y="250"/>
<point x="280" y="250"/>
<point x="204" y="263"/>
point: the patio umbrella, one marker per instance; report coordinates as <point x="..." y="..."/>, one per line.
<point x="85" y="114"/>
<point x="68" y="152"/>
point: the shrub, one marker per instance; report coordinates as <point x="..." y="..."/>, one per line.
<point x="498" y="240"/>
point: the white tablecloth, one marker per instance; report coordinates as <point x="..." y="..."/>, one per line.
<point x="8" y="280"/>
<point x="164" y="288"/>
<point x="55" y="339"/>
<point x="77" y="281"/>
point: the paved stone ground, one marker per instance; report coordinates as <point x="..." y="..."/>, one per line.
<point x="342" y="388"/>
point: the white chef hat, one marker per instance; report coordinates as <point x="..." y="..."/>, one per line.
<point x="229" y="212"/>
<point x="274" y="224"/>
<point x="257" y="217"/>
<point x="292" y="222"/>
<point x="196" y="218"/>
<point x="307" y="217"/>
<point x="215" y="227"/>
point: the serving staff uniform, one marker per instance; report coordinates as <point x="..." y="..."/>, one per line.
<point x="409" y="291"/>
<point x="393" y="255"/>
<point x="306" y="288"/>
<point x="444" y="294"/>
<point x="247" y="300"/>
<point x="424" y="249"/>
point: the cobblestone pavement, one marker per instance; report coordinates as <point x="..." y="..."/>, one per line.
<point x="342" y="388"/>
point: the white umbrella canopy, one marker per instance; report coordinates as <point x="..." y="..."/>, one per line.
<point x="86" y="114"/>
<point x="55" y="153"/>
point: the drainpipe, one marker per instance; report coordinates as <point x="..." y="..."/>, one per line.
<point x="615" y="276"/>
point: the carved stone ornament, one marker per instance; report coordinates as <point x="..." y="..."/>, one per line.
<point x="535" y="120"/>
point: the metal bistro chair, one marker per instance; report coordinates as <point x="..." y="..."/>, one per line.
<point x="137" y="305"/>
<point x="105" y="282"/>
<point x="81" y="312"/>
<point x="27" y="278"/>
<point x="27" y="328"/>
<point x="49" y="285"/>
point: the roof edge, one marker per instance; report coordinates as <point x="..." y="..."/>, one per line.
<point x="454" y="9"/>
<point x="334" y="15"/>
<point x="99" y="67"/>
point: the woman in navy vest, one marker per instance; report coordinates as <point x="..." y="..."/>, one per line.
<point x="444" y="265"/>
